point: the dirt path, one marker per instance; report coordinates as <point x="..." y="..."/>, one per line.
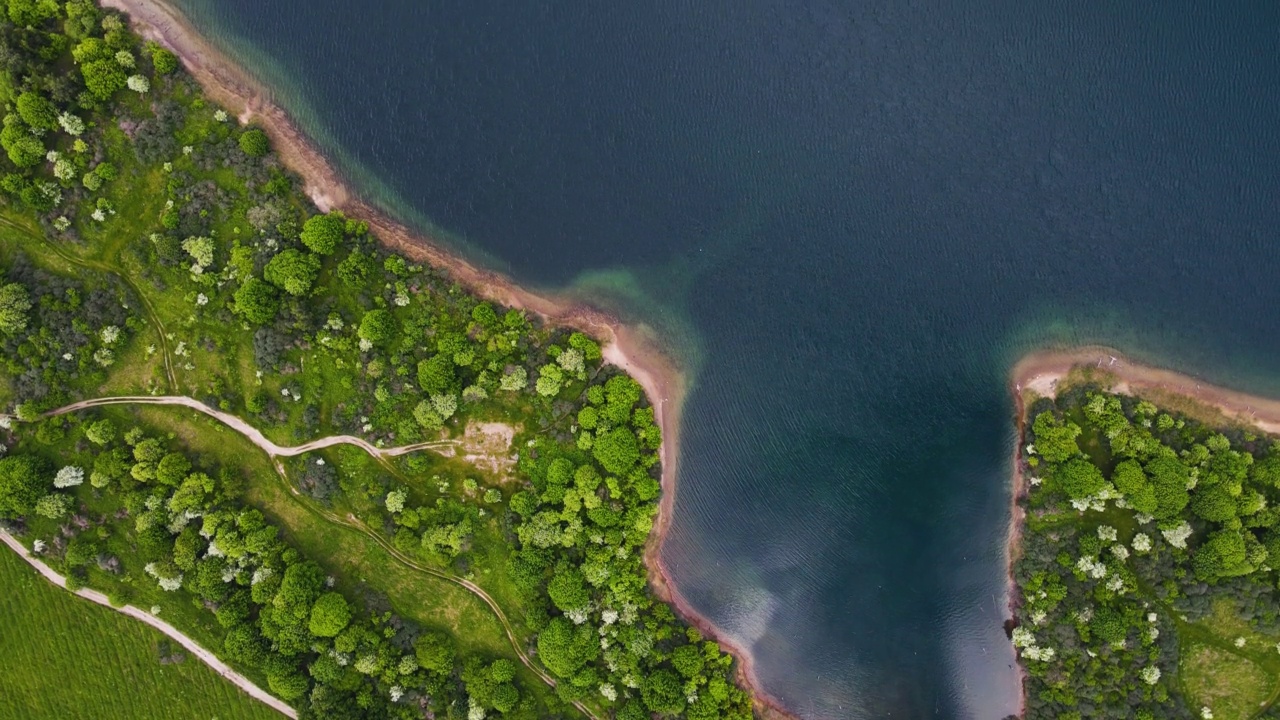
<point x="275" y="452"/>
<point x="253" y="434"/>
<point x="194" y="648"/>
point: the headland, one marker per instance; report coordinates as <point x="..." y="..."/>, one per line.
<point x="633" y="348"/>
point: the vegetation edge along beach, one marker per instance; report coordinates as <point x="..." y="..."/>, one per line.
<point x="1205" y="607"/>
<point x="632" y="349"/>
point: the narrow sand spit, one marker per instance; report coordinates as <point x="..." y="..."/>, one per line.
<point x="634" y="349"/>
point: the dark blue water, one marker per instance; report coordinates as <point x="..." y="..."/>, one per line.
<point x="852" y="217"/>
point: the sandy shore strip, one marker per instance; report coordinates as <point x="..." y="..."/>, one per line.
<point x="1042" y="373"/>
<point x="634" y="349"/>
<point x="192" y="646"/>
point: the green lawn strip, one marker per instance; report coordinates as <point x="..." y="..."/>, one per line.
<point x="63" y="657"/>
<point x="1229" y="684"/>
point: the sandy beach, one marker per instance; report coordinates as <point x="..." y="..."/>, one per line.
<point x="632" y="348"/>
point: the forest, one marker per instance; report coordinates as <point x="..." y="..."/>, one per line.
<point x="480" y="555"/>
<point x="1145" y="585"/>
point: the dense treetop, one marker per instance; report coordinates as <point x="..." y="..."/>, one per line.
<point x="1147" y="562"/>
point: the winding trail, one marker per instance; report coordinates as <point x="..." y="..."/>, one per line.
<point x="275" y="452"/>
<point x="192" y="646"/>
<point x="253" y="434"/>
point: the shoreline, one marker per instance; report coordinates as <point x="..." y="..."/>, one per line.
<point x="631" y="348"/>
<point x="1041" y="373"/>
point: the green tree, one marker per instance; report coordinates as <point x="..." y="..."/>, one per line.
<point x="688" y="660"/>
<point x="326" y="670"/>
<point x="502" y="670"/>
<point x="1079" y="478"/>
<point x="322" y="233"/>
<point x="663" y="692"/>
<point x="1266" y="471"/>
<point x="100" y="432"/>
<point x="164" y="61"/>
<point x="621" y="393"/>
<point x="1169" y="481"/>
<point x="568" y="589"/>
<point x="289" y="685"/>
<point x="330" y="615"/>
<point x="53" y="505"/>
<point x="23" y="479"/>
<point x="1214" y="503"/>
<point x="254" y="143"/>
<point x="15" y="303"/>
<point x="1131" y="481"/>
<point x="299" y="589"/>
<point x="245" y="645"/>
<point x="256" y="301"/>
<point x="377" y="326"/>
<point x="103" y="78"/>
<point x="505" y="697"/>
<point x="590" y="349"/>
<point x="109" y="466"/>
<point x="550" y="378"/>
<point x="292" y="271"/>
<point x="617" y="450"/>
<point x="565" y="648"/>
<point x="436" y="374"/>
<point x="172" y="468"/>
<point x="1222" y="555"/>
<point x="425" y="413"/>
<point x="37" y="111"/>
<point x="24" y="149"/>
<point x="1108" y="625"/>
<point x="435" y="653"/>
<point x="1055" y="441"/>
<point x="32" y="13"/>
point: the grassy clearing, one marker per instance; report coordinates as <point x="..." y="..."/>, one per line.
<point x="1233" y="687"/>
<point x="80" y="660"/>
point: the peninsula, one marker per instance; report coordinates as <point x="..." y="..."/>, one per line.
<point x="372" y="478"/>
<point x="1143" y="542"/>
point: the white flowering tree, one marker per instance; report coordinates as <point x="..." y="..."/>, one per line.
<point x="71" y="124"/>
<point x="68" y="476"/>
<point x="201" y="250"/>
<point x="514" y="381"/>
<point x="395" y="500"/>
<point x="139" y="84"/>
<point x="1178" y="536"/>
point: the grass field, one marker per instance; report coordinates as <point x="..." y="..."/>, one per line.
<point x="65" y="658"/>
<point x="1231" y="686"/>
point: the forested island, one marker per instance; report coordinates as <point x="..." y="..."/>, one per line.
<point x="360" y="484"/>
<point x="1148" y="506"/>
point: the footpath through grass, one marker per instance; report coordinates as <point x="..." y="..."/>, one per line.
<point x="64" y="658"/>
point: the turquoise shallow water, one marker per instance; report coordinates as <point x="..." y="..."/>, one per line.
<point x="852" y="218"/>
